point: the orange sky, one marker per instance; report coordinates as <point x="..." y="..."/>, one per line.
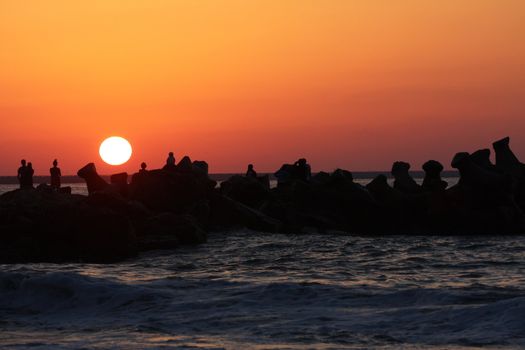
<point x="344" y="83"/>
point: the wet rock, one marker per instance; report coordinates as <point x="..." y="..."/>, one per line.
<point x="228" y="213"/>
<point x="171" y="229"/>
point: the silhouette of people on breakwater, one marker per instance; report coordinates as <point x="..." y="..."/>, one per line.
<point x="288" y="173"/>
<point x="302" y="170"/>
<point x="251" y="172"/>
<point x="29" y="175"/>
<point x="170" y="162"/>
<point x="55" y="175"/>
<point x="143" y="167"/>
<point x="21" y="173"/>
<point x="25" y="174"/>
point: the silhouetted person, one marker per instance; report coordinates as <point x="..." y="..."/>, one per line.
<point x="29" y="175"/>
<point x="21" y="173"/>
<point x="171" y="159"/>
<point x="170" y="162"/>
<point x="55" y="175"/>
<point x="251" y="172"/>
<point x="143" y="167"/>
<point x="302" y="170"/>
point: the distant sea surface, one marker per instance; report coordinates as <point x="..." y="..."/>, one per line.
<point x="252" y="290"/>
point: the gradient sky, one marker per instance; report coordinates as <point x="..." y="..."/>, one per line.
<point x="344" y="83"/>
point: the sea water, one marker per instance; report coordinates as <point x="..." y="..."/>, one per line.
<point x="254" y="290"/>
<point x="246" y="289"/>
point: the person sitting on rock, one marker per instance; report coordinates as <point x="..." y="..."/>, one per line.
<point x="143" y="167"/>
<point x="171" y="159"/>
<point x="302" y="170"/>
<point x="251" y="172"/>
<point x="22" y="173"/>
<point x="170" y="162"/>
<point x="55" y="175"/>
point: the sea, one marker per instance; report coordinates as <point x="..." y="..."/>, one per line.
<point x="256" y="290"/>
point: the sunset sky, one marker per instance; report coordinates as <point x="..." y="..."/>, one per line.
<point x="343" y="83"/>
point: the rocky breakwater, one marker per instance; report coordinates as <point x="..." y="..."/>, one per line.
<point x="489" y="199"/>
<point x="180" y="204"/>
<point x="158" y="209"/>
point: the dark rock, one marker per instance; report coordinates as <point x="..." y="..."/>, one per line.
<point x="162" y="190"/>
<point x="93" y="180"/>
<point x="185" y="165"/>
<point x="171" y="229"/>
<point x="432" y="181"/>
<point x="247" y="190"/>
<point x="41" y="225"/>
<point x="120" y="183"/>
<point x="506" y="160"/>
<point x="508" y="163"/>
<point x="403" y="181"/>
<point x="482" y="158"/>
<point x="200" y="167"/>
<point x="474" y="176"/>
<point x="227" y="213"/>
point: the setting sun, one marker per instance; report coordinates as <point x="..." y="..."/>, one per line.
<point x="115" y="150"/>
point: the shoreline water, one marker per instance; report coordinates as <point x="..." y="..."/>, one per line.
<point x="246" y="289"/>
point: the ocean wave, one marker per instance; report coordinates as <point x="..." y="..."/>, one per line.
<point x="286" y="311"/>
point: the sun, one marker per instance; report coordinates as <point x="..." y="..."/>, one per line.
<point x="115" y="150"/>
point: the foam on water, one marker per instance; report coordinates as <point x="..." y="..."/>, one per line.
<point x="253" y="290"/>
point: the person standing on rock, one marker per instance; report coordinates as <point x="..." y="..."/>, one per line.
<point x="28" y="177"/>
<point x="143" y="167"/>
<point x="251" y="172"/>
<point x="21" y="175"/>
<point x="55" y="175"/>
<point x="302" y="170"/>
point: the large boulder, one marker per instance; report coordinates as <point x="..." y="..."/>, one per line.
<point x="120" y="183"/>
<point x="432" y="181"/>
<point x="482" y="201"/>
<point x="227" y="213"/>
<point x="506" y="160"/>
<point x="247" y="190"/>
<point x="162" y="190"/>
<point x="403" y="181"/>
<point x="93" y="180"/>
<point x="168" y="230"/>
